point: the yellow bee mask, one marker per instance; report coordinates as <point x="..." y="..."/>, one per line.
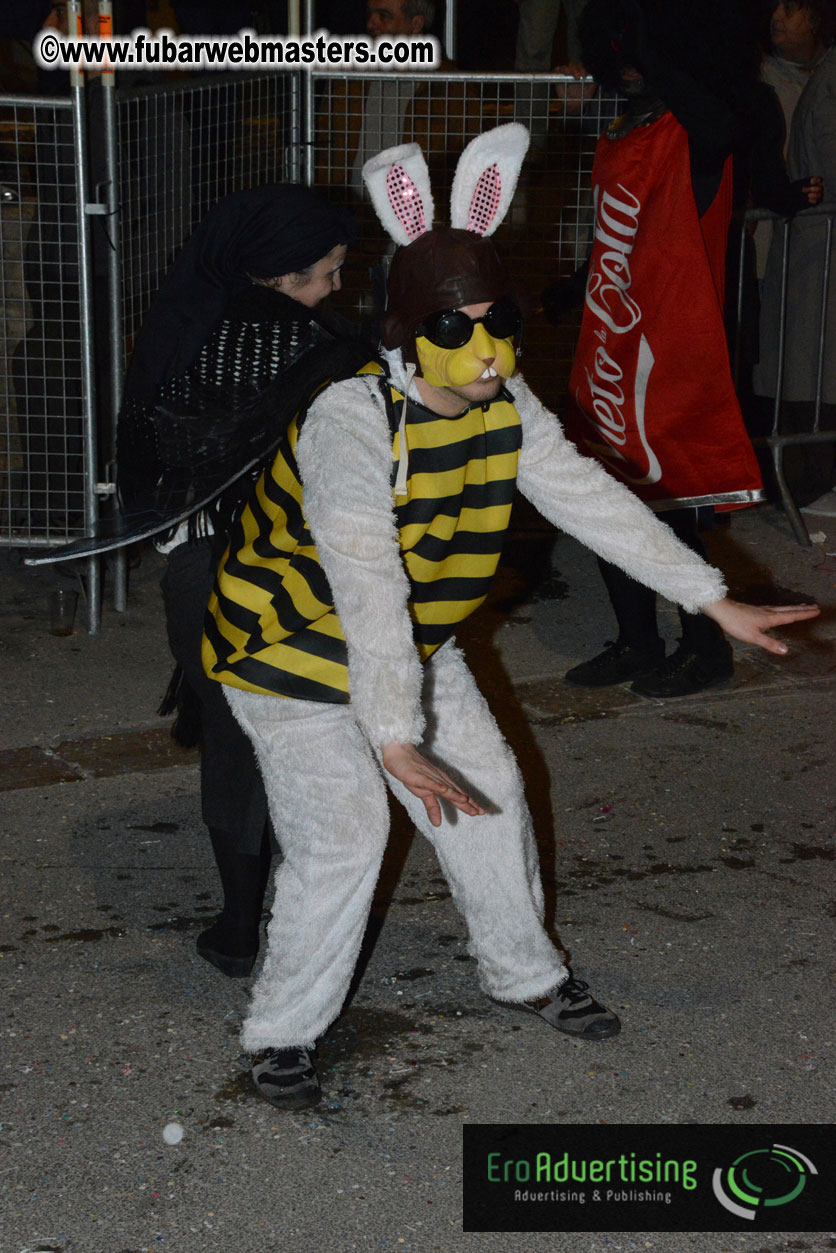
<point x="452" y="347"/>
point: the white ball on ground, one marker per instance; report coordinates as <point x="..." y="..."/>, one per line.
<point x="172" y="1133"/>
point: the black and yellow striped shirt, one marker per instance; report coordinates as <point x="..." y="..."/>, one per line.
<point x="271" y="624"/>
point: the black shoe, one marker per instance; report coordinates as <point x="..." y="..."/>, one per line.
<point x="686" y="672"/>
<point x="287" y="1078"/>
<point x="218" y="946"/>
<point x="616" y="664"/>
<point x="571" y="1009"/>
<point x="231" y="943"/>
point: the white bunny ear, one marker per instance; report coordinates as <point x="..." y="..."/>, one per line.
<point x="399" y="185"/>
<point x="486" y="177"/>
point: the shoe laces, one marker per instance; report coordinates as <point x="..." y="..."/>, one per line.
<point x="296" y="1055"/>
<point x="573" y="990"/>
<point x="684" y="658"/>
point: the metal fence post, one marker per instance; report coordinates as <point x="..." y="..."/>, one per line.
<point x="119" y="560"/>
<point x="292" y="159"/>
<point x="85" y="288"/>
<point x="782" y="435"/>
<point x="307" y="111"/>
<point x="450" y="30"/>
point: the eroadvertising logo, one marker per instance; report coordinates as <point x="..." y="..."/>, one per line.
<point x="632" y="1177"/>
<point x="762" y="1177"/>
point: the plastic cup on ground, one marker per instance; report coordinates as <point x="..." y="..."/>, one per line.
<point x="62" y="606"/>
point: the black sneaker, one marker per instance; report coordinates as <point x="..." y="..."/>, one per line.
<point x="225" y="951"/>
<point x="287" y="1078"/>
<point x="686" y="672"/>
<point x="616" y="664"/>
<point x="571" y="1009"/>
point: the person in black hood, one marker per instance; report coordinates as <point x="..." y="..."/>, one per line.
<point x="233" y="321"/>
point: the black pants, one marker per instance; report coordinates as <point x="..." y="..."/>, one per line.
<point x="231" y="788"/>
<point x="635" y="605"/>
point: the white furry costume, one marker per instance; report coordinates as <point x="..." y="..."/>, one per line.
<point x="324" y="781"/>
<point x="321" y="762"/>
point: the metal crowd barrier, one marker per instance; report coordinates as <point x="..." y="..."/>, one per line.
<point x="179" y="149"/>
<point x="160" y="156"/>
<point x="97" y="193"/>
<point x="47" y="404"/>
<point x="43" y="433"/>
<point x="795" y="365"/>
<point x="74" y="244"/>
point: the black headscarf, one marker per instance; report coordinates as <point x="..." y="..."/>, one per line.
<point x="256" y="234"/>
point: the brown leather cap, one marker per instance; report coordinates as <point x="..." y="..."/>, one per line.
<point x="444" y="269"/>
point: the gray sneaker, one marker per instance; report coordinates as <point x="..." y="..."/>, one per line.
<point x="571" y="1009"/>
<point x="287" y="1077"/>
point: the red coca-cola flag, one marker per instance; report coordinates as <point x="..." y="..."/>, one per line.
<point x="651" y="393"/>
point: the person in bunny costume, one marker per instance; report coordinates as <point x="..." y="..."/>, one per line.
<point x="375" y="531"/>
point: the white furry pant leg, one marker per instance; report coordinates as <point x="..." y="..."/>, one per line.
<point x="490" y="861"/>
<point x="328" y="804"/>
<point x="330" y="811"/>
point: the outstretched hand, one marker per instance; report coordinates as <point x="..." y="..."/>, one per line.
<point x="426" y="781"/>
<point x="750" y="623"/>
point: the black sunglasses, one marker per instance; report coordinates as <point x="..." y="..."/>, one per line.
<point x="452" y="329"/>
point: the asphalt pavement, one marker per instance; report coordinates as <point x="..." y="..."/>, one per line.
<point x="688" y="854"/>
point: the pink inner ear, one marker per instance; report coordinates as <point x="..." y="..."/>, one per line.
<point x="405" y="199"/>
<point x="485" y="201"/>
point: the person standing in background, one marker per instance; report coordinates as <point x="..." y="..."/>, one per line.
<point x="651" y="392"/>
<point x="808" y="30"/>
<point x="536" y="32"/>
<point x="795" y="48"/>
<point x="535" y="40"/>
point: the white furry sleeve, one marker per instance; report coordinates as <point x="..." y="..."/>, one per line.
<point x="576" y="494"/>
<point x="344" y="455"/>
